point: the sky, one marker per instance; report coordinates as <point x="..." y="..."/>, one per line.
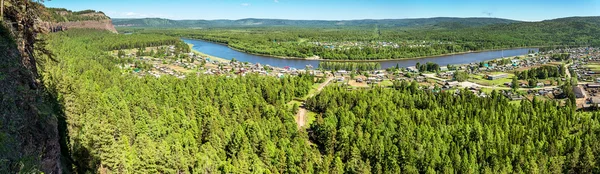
<point x="524" y="10"/>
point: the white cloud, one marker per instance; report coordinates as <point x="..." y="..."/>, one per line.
<point x="131" y="14"/>
<point x="276" y="1"/>
<point x="245" y="4"/>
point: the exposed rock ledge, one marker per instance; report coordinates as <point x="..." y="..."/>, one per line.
<point x="101" y="25"/>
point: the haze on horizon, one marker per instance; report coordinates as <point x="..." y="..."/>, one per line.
<point x="524" y="10"/>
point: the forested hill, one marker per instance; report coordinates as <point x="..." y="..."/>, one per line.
<point x="407" y="23"/>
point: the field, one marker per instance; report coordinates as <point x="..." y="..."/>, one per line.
<point x="353" y="83"/>
<point x="480" y="79"/>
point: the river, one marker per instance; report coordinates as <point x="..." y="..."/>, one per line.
<point x="223" y="51"/>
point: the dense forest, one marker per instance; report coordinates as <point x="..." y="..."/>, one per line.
<point x="120" y="123"/>
<point x="371" y="42"/>
<point x="214" y="124"/>
<point x="107" y="41"/>
<point x="408" y="130"/>
<point x="543" y="72"/>
<point x="83" y="114"/>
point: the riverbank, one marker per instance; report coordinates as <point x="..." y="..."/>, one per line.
<point x="223" y="51"/>
<point x="434" y="56"/>
<point x="374" y="60"/>
<point x="213" y="58"/>
<point x="279" y="57"/>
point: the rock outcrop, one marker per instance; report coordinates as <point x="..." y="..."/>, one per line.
<point x="57" y="19"/>
<point x="101" y="25"/>
<point x="29" y="135"/>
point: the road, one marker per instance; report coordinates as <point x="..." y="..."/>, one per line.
<point x="567" y="72"/>
<point x="432" y="76"/>
<point x="301" y="114"/>
<point x="301" y="117"/>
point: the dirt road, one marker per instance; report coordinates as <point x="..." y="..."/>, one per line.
<point x="567" y="72"/>
<point x="301" y="115"/>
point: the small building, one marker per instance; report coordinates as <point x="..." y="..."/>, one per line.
<point x="497" y="76"/>
<point x="595" y="85"/>
<point x="579" y="93"/>
<point x="540" y="84"/>
<point x="371" y="79"/>
<point x="595" y="101"/>
<point x="451" y="84"/>
<point x="516" y="97"/>
<point x="412" y="69"/>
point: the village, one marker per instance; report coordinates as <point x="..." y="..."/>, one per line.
<point x="481" y="78"/>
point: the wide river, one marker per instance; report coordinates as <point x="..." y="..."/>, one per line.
<point x="223" y="51"/>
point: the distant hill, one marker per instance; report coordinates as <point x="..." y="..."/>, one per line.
<point x="575" y="31"/>
<point x="59" y="18"/>
<point x="64" y="15"/>
<point x="409" y="23"/>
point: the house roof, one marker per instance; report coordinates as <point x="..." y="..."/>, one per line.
<point x="596" y="100"/>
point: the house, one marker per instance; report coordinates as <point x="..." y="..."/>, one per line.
<point x="579" y="93"/>
<point x="596" y="85"/>
<point x="516" y="97"/>
<point x="539" y="85"/>
<point x="371" y="79"/>
<point x="412" y="69"/>
<point x="497" y="76"/>
<point x="451" y="84"/>
<point x="595" y="101"/>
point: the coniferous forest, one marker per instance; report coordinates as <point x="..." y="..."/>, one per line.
<point x="212" y="124"/>
<point x="69" y="104"/>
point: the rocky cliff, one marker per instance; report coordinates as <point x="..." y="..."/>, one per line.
<point x="58" y="19"/>
<point x="29" y="136"/>
<point x="100" y="24"/>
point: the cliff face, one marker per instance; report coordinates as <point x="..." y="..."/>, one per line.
<point x="105" y="24"/>
<point x="29" y="136"/>
<point x="56" y="19"/>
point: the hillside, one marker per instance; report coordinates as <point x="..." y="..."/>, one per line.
<point x="29" y="139"/>
<point x="407" y="23"/>
<point x="62" y="19"/>
<point x="564" y="31"/>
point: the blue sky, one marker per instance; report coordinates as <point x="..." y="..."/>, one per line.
<point x="527" y="10"/>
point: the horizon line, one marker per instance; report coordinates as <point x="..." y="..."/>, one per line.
<point x="350" y="19"/>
